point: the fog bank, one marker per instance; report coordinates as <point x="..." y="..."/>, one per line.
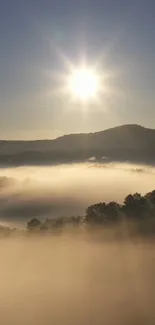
<point x="72" y="279"/>
<point x="66" y="190"/>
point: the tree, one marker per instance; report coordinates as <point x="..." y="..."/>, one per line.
<point x="136" y="206"/>
<point x="34" y="224"/>
<point x="96" y="213"/>
<point x="75" y="220"/>
<point x="113" y="211"/>
<point x="151" y="197"/>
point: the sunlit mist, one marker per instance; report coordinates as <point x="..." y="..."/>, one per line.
<point x="76" y="280"/>
<point x="66" y="190"/>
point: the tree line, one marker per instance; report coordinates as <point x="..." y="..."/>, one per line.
<point x="135" y="208"/>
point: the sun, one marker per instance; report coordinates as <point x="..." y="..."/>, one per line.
<point x="83" y="83"/>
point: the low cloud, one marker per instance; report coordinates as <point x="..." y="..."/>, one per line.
<point x="66" y="190"/>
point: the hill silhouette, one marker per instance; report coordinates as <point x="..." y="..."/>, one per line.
<point x="132" y="143"/>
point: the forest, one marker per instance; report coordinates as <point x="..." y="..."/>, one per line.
<point x="137" y="210"/>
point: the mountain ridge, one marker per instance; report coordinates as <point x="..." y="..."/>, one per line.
<point x="80" y="133"/>
<point x="131" y="142"/>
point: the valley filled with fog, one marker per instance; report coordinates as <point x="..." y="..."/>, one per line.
<point x="79" y="275"/>
<point x="66" y="190"/>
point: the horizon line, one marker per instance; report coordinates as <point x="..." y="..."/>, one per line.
<point x="77" y="133"/>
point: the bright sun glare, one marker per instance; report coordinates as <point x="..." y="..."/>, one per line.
<point x="83" y="83"/>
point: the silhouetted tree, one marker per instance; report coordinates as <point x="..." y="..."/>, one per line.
<point x="136" y="206"/>
<point x="59" y="222"/>
<point x="151" y="200"/>
<point x="113" y="211"/>
<point x="76" y="221"/>
<point x="34" y="224"/>
<point x="102" y="212"/>
<point x="96" y="213"/>
<point x="151" y="197"/>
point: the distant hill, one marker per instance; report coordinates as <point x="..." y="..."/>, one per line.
<point x="132" y="143"/>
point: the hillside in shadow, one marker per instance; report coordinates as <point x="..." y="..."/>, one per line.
<point x="131" y="143"/>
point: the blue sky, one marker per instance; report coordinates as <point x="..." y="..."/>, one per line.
<point x="33" y="34"/>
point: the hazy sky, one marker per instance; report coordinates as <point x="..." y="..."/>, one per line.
<point x="35" y="36"/>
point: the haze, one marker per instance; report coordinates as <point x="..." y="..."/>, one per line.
<point x="76" y="279"/>
<point x="66" y="190"/>
<point x="77" y="77"/>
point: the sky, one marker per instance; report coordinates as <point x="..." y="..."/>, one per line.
<point x="37" y="40"/>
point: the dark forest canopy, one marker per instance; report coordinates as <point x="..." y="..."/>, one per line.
<point x="135" y="208"/>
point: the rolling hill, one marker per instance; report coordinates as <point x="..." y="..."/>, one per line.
<point x="132" y="143"/>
